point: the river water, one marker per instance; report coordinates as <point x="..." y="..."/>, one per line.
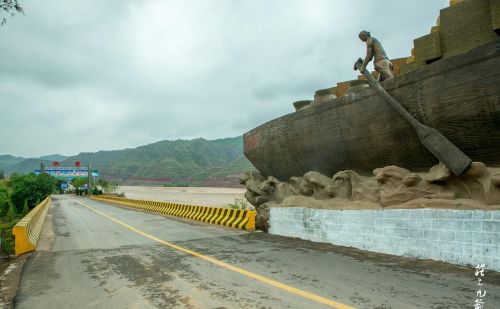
<point x="203" y="196"/>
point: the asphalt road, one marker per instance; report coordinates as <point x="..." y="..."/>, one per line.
<point x="94" y="255"/>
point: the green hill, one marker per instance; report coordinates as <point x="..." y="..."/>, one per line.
<point x="198" y="162"/>
<point x="7" y="161"/>
<point x="195" y="161"/>
<point x="54" y="157"/>
<point x="26" y="166"/>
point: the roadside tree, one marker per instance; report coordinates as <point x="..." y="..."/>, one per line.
<point x="31" y="188"/>
<point x="9" y="8"/>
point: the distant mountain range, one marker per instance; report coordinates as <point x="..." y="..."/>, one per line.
<point x="54" y="157"/>
<point x="197" y="162"/>
<point x="6" y="161"/>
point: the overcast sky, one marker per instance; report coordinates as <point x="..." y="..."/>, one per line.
<point x="83" y="75"/>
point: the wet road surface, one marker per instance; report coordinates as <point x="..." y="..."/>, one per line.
<point x="95" y="255"/>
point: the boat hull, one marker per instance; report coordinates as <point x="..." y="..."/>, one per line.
<point x="459" y="96"/>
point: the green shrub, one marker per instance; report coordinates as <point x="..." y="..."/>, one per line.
<point x="11" y="214"/>
<point x="26" y="208"/>
<point x="4" y="201"/>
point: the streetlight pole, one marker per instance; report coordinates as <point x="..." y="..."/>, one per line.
<point x="89" y="185"/>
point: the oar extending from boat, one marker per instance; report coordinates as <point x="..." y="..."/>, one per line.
<point x="444" y="150"/>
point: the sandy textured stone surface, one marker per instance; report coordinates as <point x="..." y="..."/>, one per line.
<point x="203" y="196"/>
<point x="389" y="187"/>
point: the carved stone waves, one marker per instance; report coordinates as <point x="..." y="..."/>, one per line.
<point x="390" y="186"/>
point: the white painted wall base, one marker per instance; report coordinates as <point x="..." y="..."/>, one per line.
<point x="465" y="237"/>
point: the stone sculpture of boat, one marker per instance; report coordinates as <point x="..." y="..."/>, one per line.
<point x="450" y="83"/>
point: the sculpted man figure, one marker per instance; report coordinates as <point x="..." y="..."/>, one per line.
<point x="374" y="49"/>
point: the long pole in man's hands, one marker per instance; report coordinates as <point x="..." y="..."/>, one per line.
<point x="444" y="150"/>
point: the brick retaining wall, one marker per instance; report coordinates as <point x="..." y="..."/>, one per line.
<point x="465" y="237"/>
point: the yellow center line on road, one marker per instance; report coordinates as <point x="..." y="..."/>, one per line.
<point x="246" y="273"/>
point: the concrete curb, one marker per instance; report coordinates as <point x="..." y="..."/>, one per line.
<point x="235" y="218"/>
<point x="27" y="231"/>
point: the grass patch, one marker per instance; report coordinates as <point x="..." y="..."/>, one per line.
<point x="6" y="226"/>
<point x="240" y="203"/>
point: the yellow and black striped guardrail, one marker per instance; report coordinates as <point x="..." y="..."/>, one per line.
<point x="235" y="218"/>
<point x="27" y="231"/>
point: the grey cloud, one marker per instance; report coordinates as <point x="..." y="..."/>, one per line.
<point x="89" y="75"/>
